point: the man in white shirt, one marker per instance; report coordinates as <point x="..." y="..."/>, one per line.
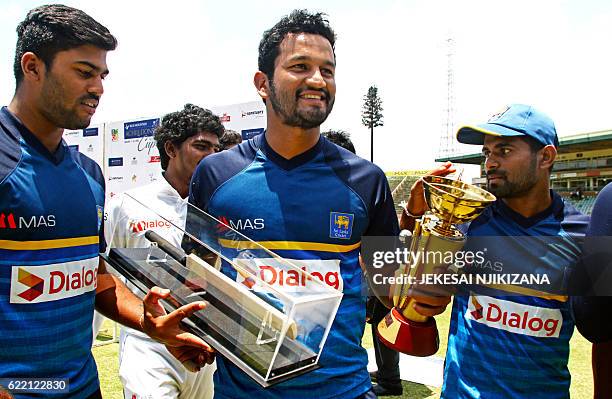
<point x="184" y="138"/>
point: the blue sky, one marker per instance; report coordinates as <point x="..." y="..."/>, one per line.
<point x="552" y="54"/>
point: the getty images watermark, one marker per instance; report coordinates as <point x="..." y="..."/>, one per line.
<point x="445" y="268"/>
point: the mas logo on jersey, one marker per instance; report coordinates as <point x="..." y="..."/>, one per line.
<point x="9" y="220"/>
<point x="239" y="224"/>
<point x="515" y="317"/>
<point x="288" y="279"/>
<point x="341" y="225"/>
<point x="34" y="284"/>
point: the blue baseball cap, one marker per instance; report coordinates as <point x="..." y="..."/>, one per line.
<point x="514" y="120"/>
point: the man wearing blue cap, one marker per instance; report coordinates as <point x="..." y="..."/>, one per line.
<point x="511" y="341"/>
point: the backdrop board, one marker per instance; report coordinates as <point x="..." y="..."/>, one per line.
<point x="89" y="141"/>
<point x="248" y="119"/>
<point x="131" y="158"/>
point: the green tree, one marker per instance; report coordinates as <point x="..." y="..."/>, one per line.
<point x="371" y="115"/>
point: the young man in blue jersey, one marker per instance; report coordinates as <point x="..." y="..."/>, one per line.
<point x="290" y="183"/>
<point x="183" y="139"/>
<point x="51" y="216"/>
<point x="523" y="354"/>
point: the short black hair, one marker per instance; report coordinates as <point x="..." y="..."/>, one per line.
<point x="49" y="29"/>
<point x="299" y="21"/>
<point x="177" y="127"/>
<point x="534" y="146"/>
<point x="230" y="137"/>
<point x="341" y="138"/>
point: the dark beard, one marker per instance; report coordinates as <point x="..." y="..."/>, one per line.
<point x="525" y="182"/>
<point x="292" y="117"/>
<point x="52" y="106"/>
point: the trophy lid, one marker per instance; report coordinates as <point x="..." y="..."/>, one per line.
<point x="454" y="201"/>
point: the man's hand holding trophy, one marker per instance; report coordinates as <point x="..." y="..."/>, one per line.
<point x="436" y="206"/>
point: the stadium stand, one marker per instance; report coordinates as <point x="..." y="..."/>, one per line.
<point x="400" y="183"/>
<point x="583" y="167"/>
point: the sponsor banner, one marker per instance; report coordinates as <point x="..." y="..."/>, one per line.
<point x="250" y="133"/>
<point x="35" y="284"/>
<point x="254" y="113"/>
<point x="132" y="140"/>
<point x="279" y="275"/>
<point x="88" y="141"/>
<point x="514" y="317"/>
<point x="115" y="161"/>
<point x="242" y="116"/>
<point x="139" y="129"/>
<point x="90" y="132"/>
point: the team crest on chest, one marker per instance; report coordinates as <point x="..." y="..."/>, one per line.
<point x="341" y="225"/>
<point x="100" y="213"/>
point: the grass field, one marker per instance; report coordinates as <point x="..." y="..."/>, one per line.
<point x="579" y="365"/>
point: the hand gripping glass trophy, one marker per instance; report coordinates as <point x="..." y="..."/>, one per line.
<point x="451" y="202"/>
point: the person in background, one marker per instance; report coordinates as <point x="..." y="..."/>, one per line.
<point x="387" y="375"/>
<point x="230" y="139"/>
<point x="183" y="138"/>
<point x="341" y="138"/>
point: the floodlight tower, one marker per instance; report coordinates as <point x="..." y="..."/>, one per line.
<point x="448" y="145"/>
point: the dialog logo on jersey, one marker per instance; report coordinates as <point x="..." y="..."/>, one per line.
<point x="477" y="313"/>
<point x="341" y="225"/>
<point x="138" y="226"/>
<point x="278" y="274"/>
<point x="515" y="317"/>
<point x="35" y="284"/>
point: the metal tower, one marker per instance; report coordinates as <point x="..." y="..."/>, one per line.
<point x="448" y="144"/>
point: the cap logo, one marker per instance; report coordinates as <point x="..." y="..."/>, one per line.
<point x="496" y="116"/>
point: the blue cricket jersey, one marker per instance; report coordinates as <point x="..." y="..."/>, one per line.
<point x="313" y="209"/>
<point x="515" y="346"/>
<point x="51" y="211"/>
<point x="592" y="280"/>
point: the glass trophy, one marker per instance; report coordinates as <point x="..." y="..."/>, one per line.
<point x="272" y="332"/>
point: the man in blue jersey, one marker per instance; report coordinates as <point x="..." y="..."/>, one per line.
<point x="51" y="217"/>
<point x="593" y="300"/>
<point x="502" y="343"/>
<point x="288" y="187"/>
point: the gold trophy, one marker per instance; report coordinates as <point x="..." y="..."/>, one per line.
<point x="451" y="202"/>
